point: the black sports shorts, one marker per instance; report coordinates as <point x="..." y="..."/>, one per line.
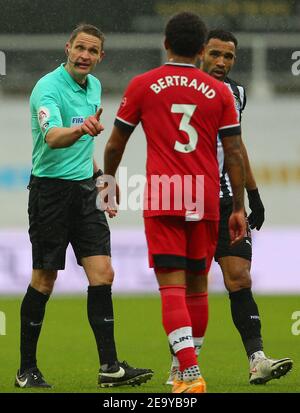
<point x="62" y="212"/>
<point x="244" y="248"/>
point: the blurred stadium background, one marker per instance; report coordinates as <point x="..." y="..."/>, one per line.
<point x="32" y="38"/>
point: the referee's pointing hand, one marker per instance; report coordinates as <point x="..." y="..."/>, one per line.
<point x="92" y="126"/>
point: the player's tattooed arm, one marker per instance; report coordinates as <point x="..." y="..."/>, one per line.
<point x="113" y="154"/>
<point x="114" y="149"/>
<point x="257" y="215"/>
<point x="234" y="165"/>
<point x="250" y="183"/>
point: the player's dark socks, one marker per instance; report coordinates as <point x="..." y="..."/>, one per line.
<point x="32" y="315"/>
<point x="101" y="318"/>
<point x="245" y="316"/>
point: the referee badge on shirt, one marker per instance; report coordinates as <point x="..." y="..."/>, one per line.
<point x="43" y="117"/>
<point x="77" y="120"/>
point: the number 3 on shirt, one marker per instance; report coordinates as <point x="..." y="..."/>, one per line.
<point x="188" y="111"/>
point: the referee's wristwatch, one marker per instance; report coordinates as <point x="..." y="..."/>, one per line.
<point x="97" y="174"/>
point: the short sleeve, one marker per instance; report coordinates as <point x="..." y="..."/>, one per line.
<point x="229" y="124"/>
<point x="129" y="113"/>
<point x="46" y="108"/>
<point x="244" y="99"/>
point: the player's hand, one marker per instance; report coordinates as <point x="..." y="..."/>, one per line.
<point x="112" y="210"/>
<point x="92" y="126"/>
<point x="109" y="199"/>
<point x="257" y="216"/>
<point x="237" y="226"/>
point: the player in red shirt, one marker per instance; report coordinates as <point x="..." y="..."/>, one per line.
<point x="182" y="110"/>
<point x="217" y="60"/>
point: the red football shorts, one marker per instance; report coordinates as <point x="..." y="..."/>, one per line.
<point x="176" y="243"/>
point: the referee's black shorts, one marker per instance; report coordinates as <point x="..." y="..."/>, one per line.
<point x="62" y="212"/>
<point x="244" y="248"/>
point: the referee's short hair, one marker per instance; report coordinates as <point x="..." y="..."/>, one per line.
<point x="185" y="34"/>
<point x="88" y="29"/>
<point x="223" y="35"/>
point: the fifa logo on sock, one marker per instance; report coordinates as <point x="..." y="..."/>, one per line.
<point x="296" y="324"/>
<point x="296" y="65"/>
<point x="2" y="64"/>
<point x="2" y="324"/>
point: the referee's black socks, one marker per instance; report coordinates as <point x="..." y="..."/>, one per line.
<point x="245" y="316"/>
<point x="32" y="315"/>
<point x="101" y="318"/>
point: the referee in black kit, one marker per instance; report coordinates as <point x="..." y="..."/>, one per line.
<point x="62" y="207"/>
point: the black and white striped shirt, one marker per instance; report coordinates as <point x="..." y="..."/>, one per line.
<point x="239" y="94"/>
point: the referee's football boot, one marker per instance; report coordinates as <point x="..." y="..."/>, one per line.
<point x="264" y="369"/>
<point x="31" y="378"/>
<point x="121" y="374"/>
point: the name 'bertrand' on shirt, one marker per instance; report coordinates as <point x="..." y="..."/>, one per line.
<point x="168" y="81"/>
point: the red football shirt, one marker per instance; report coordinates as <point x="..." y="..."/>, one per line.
<point x="182" y="109"/>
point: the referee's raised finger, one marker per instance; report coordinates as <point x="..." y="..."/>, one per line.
<point x="98" y="113"/>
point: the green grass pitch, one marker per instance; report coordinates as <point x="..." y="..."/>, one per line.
<point x="68" y="358"/>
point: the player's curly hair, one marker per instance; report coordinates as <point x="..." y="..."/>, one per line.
<point x="88" y="29"/>
<point x="186" y="34"/>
